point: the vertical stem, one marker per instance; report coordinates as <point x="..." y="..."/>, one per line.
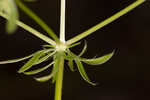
<point x="62" y="21"/>
<point x="59" y="79"/>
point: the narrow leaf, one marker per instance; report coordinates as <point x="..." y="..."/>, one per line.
<point x="48" y="46"/>
<point x="99" y="60"/>
<point x="52" y="74"/>
<point x="71" y="65"/>
<point x="82" y="71"/>
<point x="38" y="70"/>
<point x="44" y="58"/>
<point x="16" y="60"/>
<point x="32" y="61"/>
<point x="75" y="44"/>
<point x="84" y="49"/>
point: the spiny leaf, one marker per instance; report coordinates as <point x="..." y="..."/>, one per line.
<point x="38" y="70"/>
<point x="84" y="49"/>
<point x="99" y="60"/>
<point x="82" y="71"/>
<point x="32" y="61"/>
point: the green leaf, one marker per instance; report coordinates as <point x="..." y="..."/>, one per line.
<point x="38" y="70"/>
<point x="48" y="46"/>
<point x="52" y="74"/>
<point x="16" y="60"/>
<point x="71" y="65"/>
<point x="32" y="61"/>
<point x="82" y="71"/>
<point x="99" y="60"/>
<point x="84" y="49"/>
<point x="44" y="58"/>
<point x="75" y="44"/>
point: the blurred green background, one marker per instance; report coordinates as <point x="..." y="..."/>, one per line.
<point x="125" y="77"/>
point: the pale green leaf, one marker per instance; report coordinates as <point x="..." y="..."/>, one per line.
<point x="16" y="60"/>
<point x="44" y="58"/>
<point x="75" y="44"/>
<point x="82" y="71"/>
<point x="84" y="49"/>
<point x="48" y="46"/>
<point x="52" y="74"/>
<point x="32" y="61"/>
<point x="99" y="60"/>
<point x="38" y="70"/>
<point x="71" y="65"/>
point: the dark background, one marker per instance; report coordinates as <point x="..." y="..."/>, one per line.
<point x="125" y="77"/>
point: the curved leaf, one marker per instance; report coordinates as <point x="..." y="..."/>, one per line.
<point x="44" y="58"/>
<point x="83" y="50"/>
<point x="16" y="60"/>
<point x="75" y="44"/>
<point x="52" y="74"/>
<point x="32" y="61"/>
<point x="38" y="70"/>
<point x="99" y="60"/>
<point x="82" y="71"/>
<point x="71" y="65"/>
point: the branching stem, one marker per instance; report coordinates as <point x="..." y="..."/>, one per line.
<point x="37" y="19"/>
<point x="31" y="30"/>
<point x="105" y="22"/>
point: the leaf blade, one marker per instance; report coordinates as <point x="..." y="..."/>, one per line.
<point x="83" y="72"/>
<point x="31" y="62"/>
<point x="84" y="49"/>
<point x="38" y="70"/>
<point x="71" y="65"/>
<point x="52" y="74"/>
<point x="99" y="60"/>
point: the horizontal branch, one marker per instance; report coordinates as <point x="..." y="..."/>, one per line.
<point x="31" y="30"/>
<point x="105" y="22"/>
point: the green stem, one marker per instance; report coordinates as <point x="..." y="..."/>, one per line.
<point x="59" y="79"/>
<point x="105" y="22"/>
<point x="31" y="30"/>
<point x="37" y="19"/>
<point x="62" y="21"/>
